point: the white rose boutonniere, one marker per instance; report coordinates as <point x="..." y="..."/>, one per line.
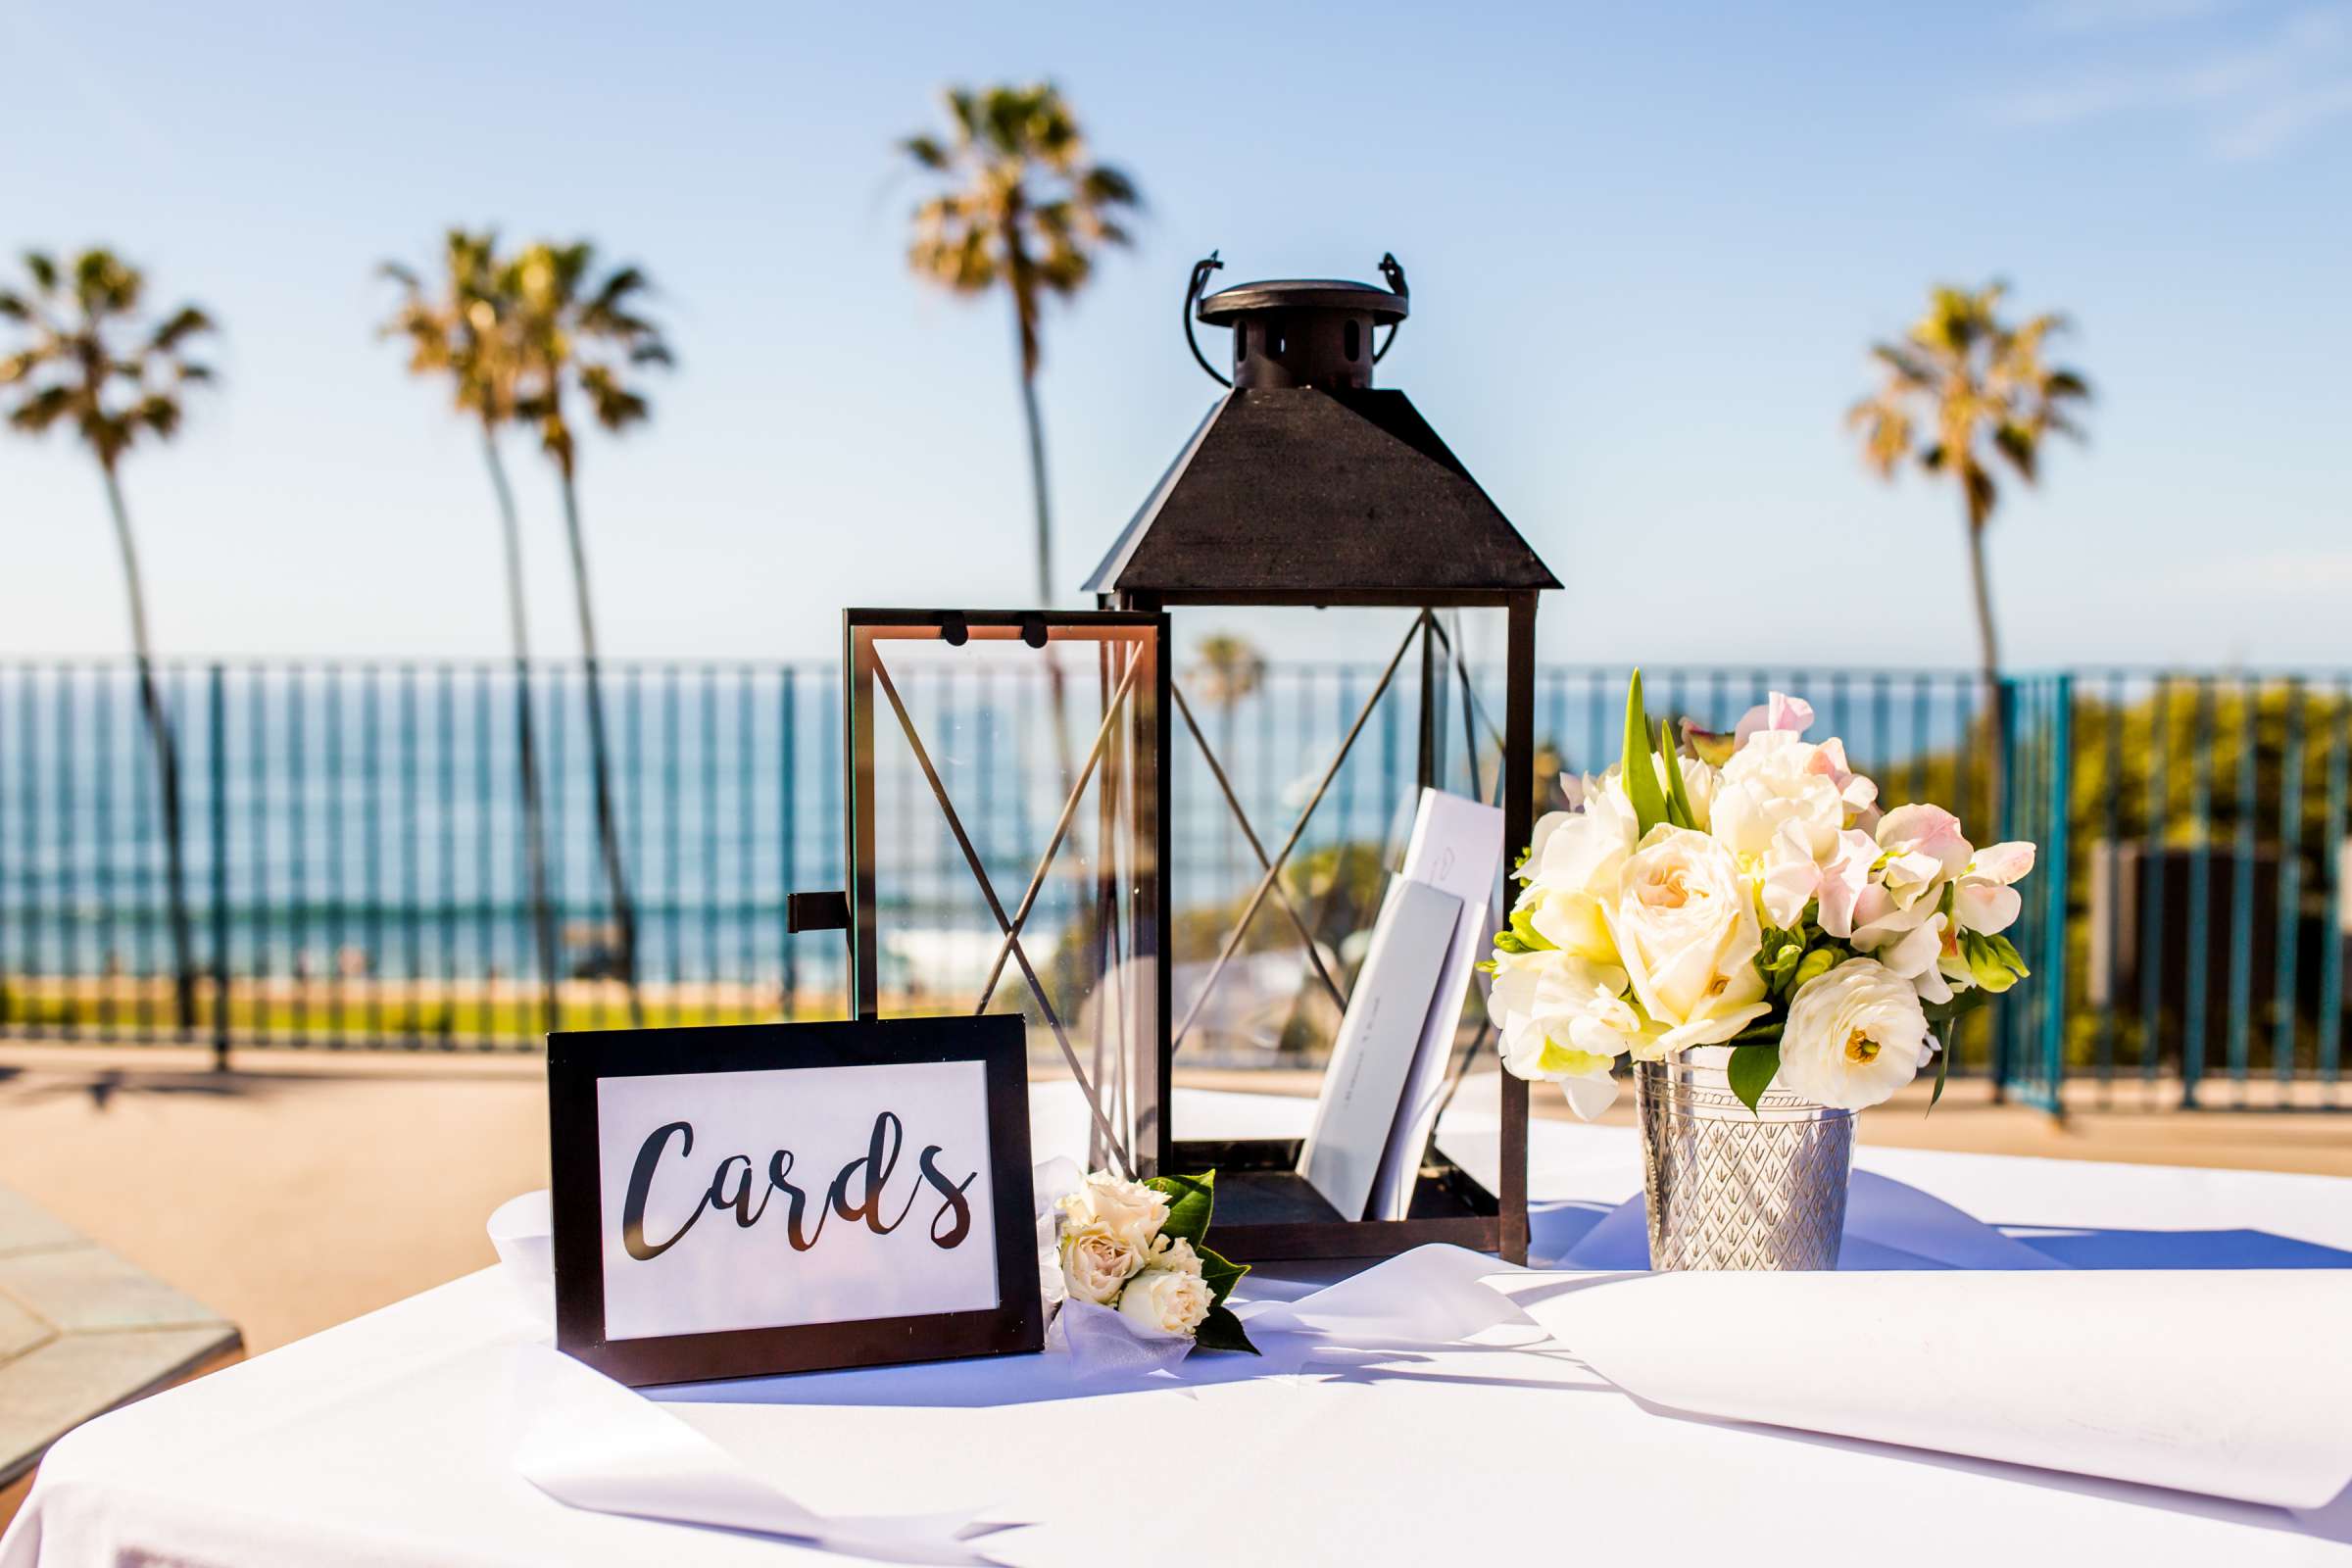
<point x="1140" y="1249"/>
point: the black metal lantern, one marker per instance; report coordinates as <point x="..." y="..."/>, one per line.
<point x="1307" y="486"/>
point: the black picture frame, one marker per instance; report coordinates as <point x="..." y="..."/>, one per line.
<point x="577" y="1060"/>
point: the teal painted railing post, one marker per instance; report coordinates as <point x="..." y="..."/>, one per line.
<point x="217" y="700"/>
<point x="2054" y="925"/>
<point x="2241" y="886"/>
<point x="2006" y="760"/>
<point x="2199" y="934"/>
<point x="2332" y="928"/>
<point x="2289" y="940"/>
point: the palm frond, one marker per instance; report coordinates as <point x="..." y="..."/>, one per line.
<point x="37" y="413"/>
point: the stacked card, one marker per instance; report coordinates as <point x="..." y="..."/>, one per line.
<point x="1388" y="1071"/>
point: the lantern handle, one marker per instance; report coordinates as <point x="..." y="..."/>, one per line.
<point x="1392" y="272"/>
<point x="1191" y="292"/>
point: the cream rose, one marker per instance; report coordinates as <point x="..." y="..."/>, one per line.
<point x="1165" y="1301"/>
<point x="1095" y="1263"/>
<point x="1776" y="781"/>
<point x="1854" y="1036"/>
<point x="1686" y="930"/>
<point x="1130" y="1212"/>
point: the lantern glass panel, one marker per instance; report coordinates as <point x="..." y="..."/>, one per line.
<point x="1004" y="823"/>
<point x="1301" y="740"/>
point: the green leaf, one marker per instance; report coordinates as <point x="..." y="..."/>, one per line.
<point x="1222" y="1331"/>
<point x="1633" y="764"/>
<point x="1220" y="1274"/>
<point x="1943" y="1066"/>
<point x="1677" y="794"/>
<point x="1191" y="1200"/>
<point x="1751" y="1070"/>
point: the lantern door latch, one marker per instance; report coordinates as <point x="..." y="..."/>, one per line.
<point x="816" y="911"/>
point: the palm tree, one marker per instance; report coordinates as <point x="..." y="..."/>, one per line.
<point x="1228" y="672"/>
<point x="464" y="329"/>
<point x="1961" y="389"/>
<point x="1022" y="207"/>
<point x="579" y="333"/>
<point x="92" y="359"/>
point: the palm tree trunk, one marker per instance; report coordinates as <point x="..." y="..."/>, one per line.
<point x="1987" y="639"/>
<point x="526" y="748"/>
<point x="1989" y="666"/>
<point x="1057" y="695"/>
<point x="608" y="823"/>
<point x="167" y="761"/>
<point x="1037" y="486"/>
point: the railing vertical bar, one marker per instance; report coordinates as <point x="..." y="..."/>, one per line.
<point x="412" y="885"/>
<point x="707" y="753"/>
<point x="2111" y="852"/>
<point x="2196" y="1017"/>
<point x="298" y="882"/>
<point x="217" y="710"/>
<point x="788" y="828"/>
<point x="371" y="797"/>
<point x="2241" y="885"/>
<point x="641" y="848"/>
<point x="110" y="967"/>
<point x="31" y="927"/>
<point x="746" y="836"/>
<point x="555" y="692"/>
<point x="445" y="903"/>
<point x="263" y="915"/>
<point x="68" y="878"/>
<point x="673" y="907"/>
<point x="829" y="784"/>
<point x="2061" y="773"/>
<point x="2153" y="970"/>
<point x="2332" y="930"/>
<point x="486" y="925"/>
<point x="2289" y="940"/>
<point x="338" y="861"/>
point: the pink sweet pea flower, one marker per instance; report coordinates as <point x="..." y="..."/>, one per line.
<point x="1780" y="711"/>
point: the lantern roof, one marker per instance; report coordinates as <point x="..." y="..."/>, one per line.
<point x="1307" y="490"/>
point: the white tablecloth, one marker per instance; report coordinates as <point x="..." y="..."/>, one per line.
<point x="390" y="1440"/>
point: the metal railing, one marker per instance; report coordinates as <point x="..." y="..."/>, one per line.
<point x="355" y="868"/>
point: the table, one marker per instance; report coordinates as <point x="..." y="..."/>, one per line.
<point x="388" y="1439"/>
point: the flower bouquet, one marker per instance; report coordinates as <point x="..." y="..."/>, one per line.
<point x="1736" y="916"/>
<point x="1134" y="1257"/>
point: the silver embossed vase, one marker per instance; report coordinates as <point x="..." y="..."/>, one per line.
<point x="1731" y="1188"/>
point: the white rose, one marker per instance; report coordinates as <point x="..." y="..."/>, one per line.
<point x="1854" y="1036"/>
<point x="1095" y="1263"/>
<point x="1128" y="1211"/>
<point x="1686" y="926"/>
<point x="1566" y="1019"/>
<point x="1166" y="1301"/>
<point x="1772" y="782"/>
<point x="1579" y="849"/>
<point x="1175" y="1254"/>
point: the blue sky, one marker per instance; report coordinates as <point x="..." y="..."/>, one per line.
<point x="1647" y="247"/>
